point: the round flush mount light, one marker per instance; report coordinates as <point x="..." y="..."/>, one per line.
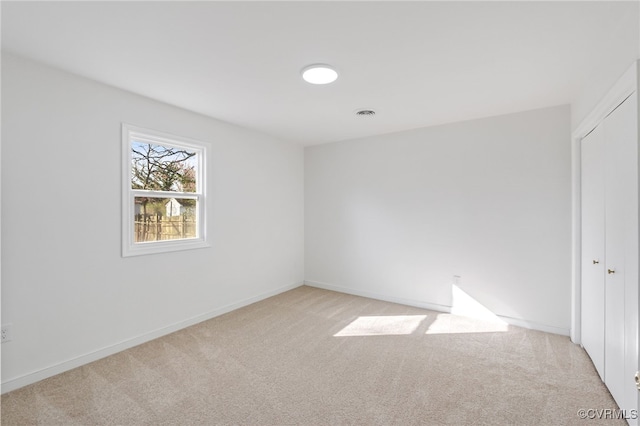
<point x="319" y="74"/>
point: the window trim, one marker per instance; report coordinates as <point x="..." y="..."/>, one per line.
<point x="129" y="247"/>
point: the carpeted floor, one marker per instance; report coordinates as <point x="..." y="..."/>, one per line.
<point x="315" y="357"/>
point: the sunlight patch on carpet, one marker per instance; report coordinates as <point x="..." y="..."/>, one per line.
<point x="456" y="324"/>
<point x="391" y="325"/>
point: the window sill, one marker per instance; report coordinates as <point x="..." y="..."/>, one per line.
<point x="154" y="247"/>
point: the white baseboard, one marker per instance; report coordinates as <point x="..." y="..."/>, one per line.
<point x="370" y="295"/>
<point x="532" y="325"/>
<point x="44" y="373"/>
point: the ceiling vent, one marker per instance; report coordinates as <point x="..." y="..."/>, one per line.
<point x="365" y="112"/>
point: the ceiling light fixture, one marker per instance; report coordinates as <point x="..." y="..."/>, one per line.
<point x="319" y="74"/>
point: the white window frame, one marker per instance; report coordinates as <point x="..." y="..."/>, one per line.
<point x="131" y="248"/>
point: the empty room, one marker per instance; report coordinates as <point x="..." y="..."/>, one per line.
<point x="320" y="213"/>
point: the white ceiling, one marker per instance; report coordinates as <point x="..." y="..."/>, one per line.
<point x="416" y="63"/>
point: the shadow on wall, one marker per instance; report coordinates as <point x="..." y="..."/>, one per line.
<point x="467" y="316"/>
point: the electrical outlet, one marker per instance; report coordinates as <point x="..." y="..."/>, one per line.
<point x="5" y="333"/>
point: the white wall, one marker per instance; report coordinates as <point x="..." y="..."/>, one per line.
<point x="397" y="216"/>
<point x="69" y="294"/>
<point x="615" y="54"/>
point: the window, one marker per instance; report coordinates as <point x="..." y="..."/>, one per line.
<point x="163" y="206"/>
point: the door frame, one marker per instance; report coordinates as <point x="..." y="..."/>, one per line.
<point x="625" y="88"/>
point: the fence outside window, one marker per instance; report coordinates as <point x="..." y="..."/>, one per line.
<point x="155" y="227"/>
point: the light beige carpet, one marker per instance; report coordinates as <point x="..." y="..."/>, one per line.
<point x="315" y="357"/>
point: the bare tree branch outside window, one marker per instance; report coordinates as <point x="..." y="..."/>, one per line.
<point x="162" y="168"/>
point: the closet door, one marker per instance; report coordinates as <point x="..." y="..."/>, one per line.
<point x="593" y="244"/>
<point x="621" y="286"/>
<point x="610" y="251"/>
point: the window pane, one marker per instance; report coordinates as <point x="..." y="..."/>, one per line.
<point x="161" y="219"/>
<point x="163" y="168"/>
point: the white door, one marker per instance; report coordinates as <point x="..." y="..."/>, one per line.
<point x="593" y="245"/>
<point x="621" y="286"/>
